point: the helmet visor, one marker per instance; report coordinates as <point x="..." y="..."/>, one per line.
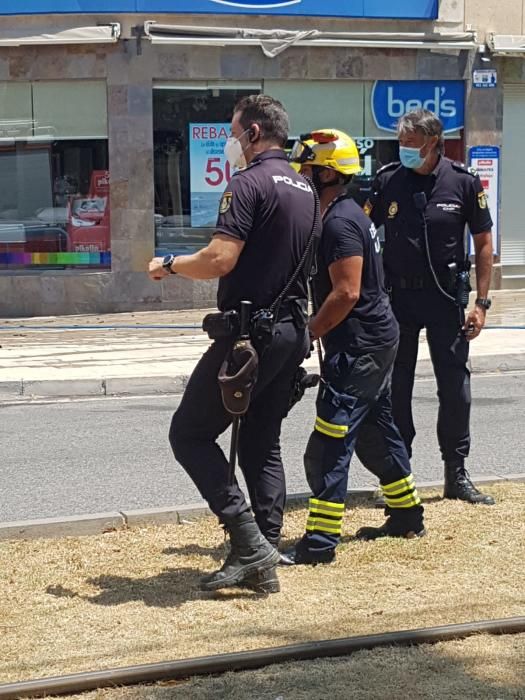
<point x="301" y="152"/>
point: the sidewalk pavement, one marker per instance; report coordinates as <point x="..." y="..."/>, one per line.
<point x="139" y="353"/>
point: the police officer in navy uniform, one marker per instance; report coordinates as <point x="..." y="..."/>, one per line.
<point x="266" y="220"/>
<point x="360" y="335"/>
<point x="424" y="202"/>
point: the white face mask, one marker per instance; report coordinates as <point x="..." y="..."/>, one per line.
<point x="234" y="152"/>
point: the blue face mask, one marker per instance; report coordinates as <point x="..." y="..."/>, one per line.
<point x="410" y="157"/>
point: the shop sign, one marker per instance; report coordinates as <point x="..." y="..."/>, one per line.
<point x="401" y="9"/>
<point x="485" y="159"/>
<point x="210" y="172"/>
<point x="393" y="98"/>
<point x="484" y="78"/>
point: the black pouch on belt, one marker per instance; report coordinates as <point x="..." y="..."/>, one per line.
<point x="222" y="324"/>
<point x="238" y="376"/>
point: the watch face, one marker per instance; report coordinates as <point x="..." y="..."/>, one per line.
<point x="167" y="260"/>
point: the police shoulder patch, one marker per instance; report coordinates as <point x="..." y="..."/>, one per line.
<point x="226" y="201"/>
<point x="482" y="200"/>
<point x="368" y="206"/>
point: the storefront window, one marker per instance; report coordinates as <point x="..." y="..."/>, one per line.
<point x="54" y="178"/>
<point x="191" y="125"/>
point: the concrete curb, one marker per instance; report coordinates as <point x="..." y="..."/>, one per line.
<point x="147" y="386"/>
<point x="99" y="523"/>
<point x="111" y="386"/>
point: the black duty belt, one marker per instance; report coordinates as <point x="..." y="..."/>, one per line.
<point x="225" y="324"/>
<point x="413" y="283"/>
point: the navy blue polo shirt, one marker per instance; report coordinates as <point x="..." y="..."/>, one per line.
<point x="271" y="208"/>
<point x="455" y="198"/>
<point x="371" y="324"/>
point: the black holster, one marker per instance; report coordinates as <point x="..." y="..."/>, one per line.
<point x="301" y="382"/>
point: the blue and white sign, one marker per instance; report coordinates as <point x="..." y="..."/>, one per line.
<point x="210" y="172"/>
<point x="486" y="78"/>
<point x="400" y="9"/>
<point x="485" y="159"/>
<point x="393" y="98"/>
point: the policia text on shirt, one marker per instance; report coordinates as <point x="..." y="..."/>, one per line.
<point x="265" y="224"/>
<point x="424" y="202"/>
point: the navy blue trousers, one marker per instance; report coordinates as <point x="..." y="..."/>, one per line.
<point x="449" y="349"/>
<point x="354" y="413"/>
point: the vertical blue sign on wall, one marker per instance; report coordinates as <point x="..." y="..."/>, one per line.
<point x="400" y="9"/>
<point x="392" y="98"/>
<point x="486" y="160"/>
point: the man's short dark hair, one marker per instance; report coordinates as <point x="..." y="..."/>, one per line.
<point x="425" y="122"/>
<point x="268" y="113"/>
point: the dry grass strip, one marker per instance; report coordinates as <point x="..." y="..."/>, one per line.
<point x="478" y="668"/>
<point x="130" y="597"/>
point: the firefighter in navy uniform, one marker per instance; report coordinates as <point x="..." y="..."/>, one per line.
<point x="424" y="203"/>
<point x="266" y="221"/>
<point x="360" y="335"/>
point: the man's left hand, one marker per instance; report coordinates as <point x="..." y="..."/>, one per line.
<point x="474" y="323"/>
<point x="156" y="271"/>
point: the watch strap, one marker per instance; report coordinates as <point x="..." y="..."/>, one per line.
<point x="485" y="303"/>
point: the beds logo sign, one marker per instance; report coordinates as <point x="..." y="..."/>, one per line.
<point x="392" y="99"/>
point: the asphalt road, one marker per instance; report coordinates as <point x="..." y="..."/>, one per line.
<point x="87" y="456"/>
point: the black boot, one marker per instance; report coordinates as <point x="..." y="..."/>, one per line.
<point x="459" y="486"/>
<point x="401" y="522"/>
<point x="300" y="554"/>
<point x="264" y="581"/>
<point x="250" y="553"/>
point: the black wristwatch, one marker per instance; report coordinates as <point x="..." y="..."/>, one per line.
<point x="167" y="262"/>
<point x="484" y="303"/>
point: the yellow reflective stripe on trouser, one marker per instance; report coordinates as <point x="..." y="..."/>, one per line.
<point x="401" y="493"/>
<point x="330" y="429"/>
<point x="333" y="516"/>
<point x="409" y="501"/>
<point x="326" y="507"/>
<point x="397" y="487"/>
<point x="322" y="525"/>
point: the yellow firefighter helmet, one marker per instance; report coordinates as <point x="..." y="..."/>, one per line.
<point x="327" y="148"/>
